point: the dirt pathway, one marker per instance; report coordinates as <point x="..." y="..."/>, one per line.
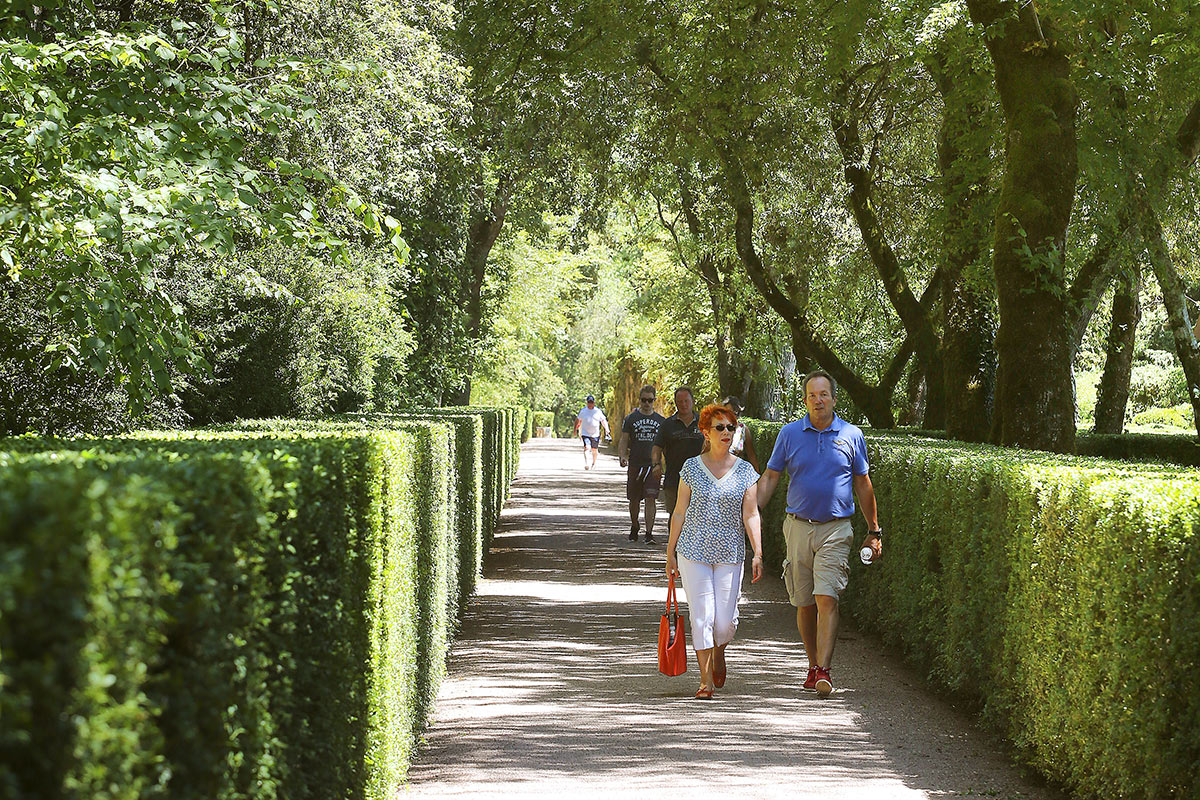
<point x="554" y="689"/>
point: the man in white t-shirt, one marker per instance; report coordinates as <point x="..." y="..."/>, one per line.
<point x="588" y="424"/>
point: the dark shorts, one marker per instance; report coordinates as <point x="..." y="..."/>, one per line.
<point x="641" y="483"/>
<point x="590" y="442"/>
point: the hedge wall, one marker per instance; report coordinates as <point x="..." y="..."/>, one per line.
<point x="1182" y="449"/>
<point x="1061" y="594"/>
<point x="1176" y="448"/>
<point x="252" y="613"/>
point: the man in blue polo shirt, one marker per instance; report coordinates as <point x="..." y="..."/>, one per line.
<point x="826" y="462"/>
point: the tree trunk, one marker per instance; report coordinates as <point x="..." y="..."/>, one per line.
<point x="724" y="368"/>
<point x="1113" y="393"/>
<point x="1034" y="392"/>
<point x="714" y="282"/>
<point x="917" y="323"/>
<point x="968" y="315"/>
<point x="763" y="397"/>
<point x="806" y="343"/>
<point x="914" y="394"/>
<point x="1171" y="284"/>
<point x="1142" y="191"/>
<point x="484" y="229"/>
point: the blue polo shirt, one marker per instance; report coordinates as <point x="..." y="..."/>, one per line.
<point x="820" y="466"/>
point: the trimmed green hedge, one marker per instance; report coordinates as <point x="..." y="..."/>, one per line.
<point x="1172" y="448"/>
<point x="1175" y="448"/>
<point x="1061" y="594"/>
<point x="132" y="594"/>
<point x="242" y="613"/>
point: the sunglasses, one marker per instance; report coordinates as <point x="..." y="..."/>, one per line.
<point x="646" y="399"/>
<point x="730" y="428"/>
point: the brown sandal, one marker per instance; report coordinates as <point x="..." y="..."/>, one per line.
<point x="704" y="694"/>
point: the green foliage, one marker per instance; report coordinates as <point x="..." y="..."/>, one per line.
<point x="120" y="153"/>
<point x="1056" y="592"/>
<point x="245" y="613"/>
<point x="143" y="581"/>
<point x="325" y="339"/>
<point x="1180" y="416"/>
<point x="1157" y="385"/>
<point x="576" y="310"/>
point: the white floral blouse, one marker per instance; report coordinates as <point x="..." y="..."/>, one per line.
<point x="712" y="527"/>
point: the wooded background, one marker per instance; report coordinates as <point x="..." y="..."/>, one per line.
<point x="978" y="216"/>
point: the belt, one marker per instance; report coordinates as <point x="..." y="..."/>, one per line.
<point x="799" y="518"/>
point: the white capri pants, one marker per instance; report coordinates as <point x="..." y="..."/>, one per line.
<point x="712" y="599"/>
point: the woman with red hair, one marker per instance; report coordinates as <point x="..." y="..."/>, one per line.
<point x="716" y="508"/>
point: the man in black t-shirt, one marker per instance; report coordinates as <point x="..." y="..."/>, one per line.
<point x="679" y="438"/>
<point x="637" y="440"/>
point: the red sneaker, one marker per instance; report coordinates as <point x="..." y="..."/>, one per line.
<point x="824" y="685"/>
<point x="810" y="683"/>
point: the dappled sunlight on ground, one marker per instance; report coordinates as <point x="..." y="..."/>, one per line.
<point x="554" y="689"/>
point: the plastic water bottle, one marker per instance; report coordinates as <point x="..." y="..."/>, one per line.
<point x="866" y="554"/>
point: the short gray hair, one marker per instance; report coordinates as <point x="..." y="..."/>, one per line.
<point x="820" y="373"/>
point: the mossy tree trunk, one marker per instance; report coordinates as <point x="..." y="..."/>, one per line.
<point x="1035" y="403"/>
<point x="969" y="301"/>
<point x="487" y="220"/>
<point x="1113" y="393"/>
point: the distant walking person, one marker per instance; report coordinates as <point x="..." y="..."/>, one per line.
<point x="743" y="442"/>
<point x="717" y="510"/>
<point x="634" y="449"/>
<point x="679" y="438"/>
<point x="588" y="424"/>
<point x="826" y="461"/>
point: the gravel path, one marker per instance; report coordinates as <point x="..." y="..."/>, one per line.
<point x="554" y="689"/>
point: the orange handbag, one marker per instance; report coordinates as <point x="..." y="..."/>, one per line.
<point x="672" y="643"/>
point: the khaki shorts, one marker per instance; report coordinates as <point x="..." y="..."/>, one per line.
<point x="817" y="558"/>
<point x="668" y="497"/>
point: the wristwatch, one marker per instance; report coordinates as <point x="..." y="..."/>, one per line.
<point x="877" y="534"/>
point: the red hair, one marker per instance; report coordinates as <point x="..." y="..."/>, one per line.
<point x="715" y="410"/>
<point x="706" y="419"/>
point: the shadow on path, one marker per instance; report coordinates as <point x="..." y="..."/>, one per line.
<point x="553" y="685"/>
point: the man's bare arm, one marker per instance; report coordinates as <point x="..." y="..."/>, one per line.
<point x="766" y="486"/>
<point x="866" y="500"/>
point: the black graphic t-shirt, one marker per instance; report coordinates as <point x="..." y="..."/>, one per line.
<point x="679" y="443"/>
<point x="642" y="428"/>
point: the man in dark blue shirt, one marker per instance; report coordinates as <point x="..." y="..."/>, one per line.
<point x="826" y="462"/>
<point x="634" y="449"/>
<point x="679" y="438"/>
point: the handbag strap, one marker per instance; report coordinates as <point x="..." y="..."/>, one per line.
<point x="671" y="596"/>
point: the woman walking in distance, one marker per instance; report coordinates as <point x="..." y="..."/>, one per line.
<point x="717" y="507"/>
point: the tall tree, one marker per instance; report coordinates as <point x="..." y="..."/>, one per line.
<point x="954" y="56"/>
<point x="539" y="133"/>
<point x="1035" y="401"/>
<point x="1112" y="394"/>
<point x="133" y="140"/>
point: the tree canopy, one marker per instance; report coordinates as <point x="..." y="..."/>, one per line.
<point x="978" y="215"/>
